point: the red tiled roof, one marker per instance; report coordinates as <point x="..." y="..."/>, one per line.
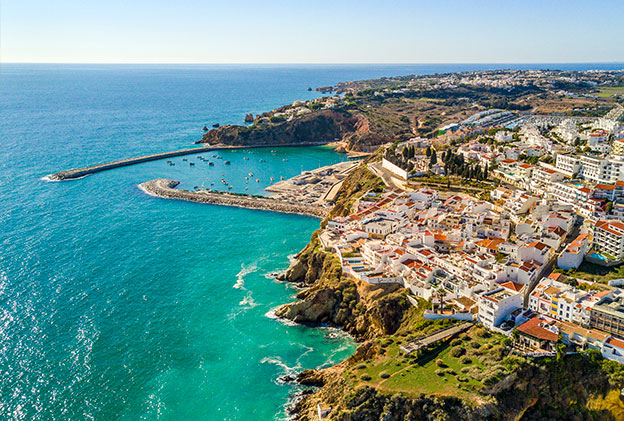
<point x="532" y="328"/>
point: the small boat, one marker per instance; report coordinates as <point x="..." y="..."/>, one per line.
<point x="246" y="158"/>
<point x="229" y="187"/>
<point x="272" y="179"/>
<point x="284" y="160"/>
<point x="272" y="150"/>
<point x="227" y="162"/>
<point x="192" y="164"/>
<point x="195" y="187"/>
<point x="282" y="178"/>
<point x="212" y="184"/>
<point x="184" y="159"/>
<point x="251" y="174"/>
<point x="211" y="164"/>
<point x="246" y="188"/>
<point x="257" y="180"/>
<point x="246" y="178"/>
<point x="262" y="160"/>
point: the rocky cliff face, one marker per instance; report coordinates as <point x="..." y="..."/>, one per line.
<point x="363" y="310"/>
<point x="314" y="128"/>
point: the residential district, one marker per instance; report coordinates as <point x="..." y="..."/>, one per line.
<point x="556" y="200"/>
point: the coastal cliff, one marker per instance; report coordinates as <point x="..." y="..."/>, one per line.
<point x="317" y="127"/>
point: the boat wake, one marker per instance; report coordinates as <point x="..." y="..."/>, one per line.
<point x="240" y="276"/>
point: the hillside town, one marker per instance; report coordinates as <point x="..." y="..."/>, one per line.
<point x="555" y="199"/>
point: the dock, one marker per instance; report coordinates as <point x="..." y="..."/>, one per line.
<point x="438" y="336"/>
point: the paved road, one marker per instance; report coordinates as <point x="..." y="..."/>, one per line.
<point x="387" y="177"/>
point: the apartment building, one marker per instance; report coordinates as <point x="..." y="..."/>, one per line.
<point x="609" y="238"/>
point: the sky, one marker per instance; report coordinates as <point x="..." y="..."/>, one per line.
<point x="312" y="31"/>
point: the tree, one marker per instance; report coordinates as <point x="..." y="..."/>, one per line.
<point x="428" y="151"/>
<point x="485" y="173"/>
<point x="434" y="159"/>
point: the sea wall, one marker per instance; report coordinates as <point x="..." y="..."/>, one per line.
<point x="84" y="171"/>
<point x="165" y="188"/>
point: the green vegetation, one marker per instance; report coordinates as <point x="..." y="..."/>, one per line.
<point x="458" y="368"/>
<point x="595" y="273"/>
<point x="609" y="91"/>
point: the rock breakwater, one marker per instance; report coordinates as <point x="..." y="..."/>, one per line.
<point x="165" y="188"/>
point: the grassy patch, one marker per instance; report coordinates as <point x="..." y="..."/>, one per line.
<point x="609" y="91"/>
<point x="596" y="273"/>
<point x="441" y="370"/>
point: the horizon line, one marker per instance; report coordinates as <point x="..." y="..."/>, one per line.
<point x="312" y="63"/>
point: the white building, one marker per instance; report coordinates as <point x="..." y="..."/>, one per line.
<point x="572" y="256"/>
<point x="497" y="304"/>
<point x="609" y="238"/>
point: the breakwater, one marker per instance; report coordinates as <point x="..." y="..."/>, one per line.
<point x="84" y="171"/>
<point x="165" y="188"/>
<point x="75" y="173"/>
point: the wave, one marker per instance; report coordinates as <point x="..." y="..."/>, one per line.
<point x="274" y="274"/>
<point x="240" y="276"/>
<point x="248" y="301"/>
<point x="271" y="315"/>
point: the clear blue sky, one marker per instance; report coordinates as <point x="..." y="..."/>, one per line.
<point x="314" y="31"/>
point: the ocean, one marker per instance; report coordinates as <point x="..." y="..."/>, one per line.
<point x="118" y="305"/>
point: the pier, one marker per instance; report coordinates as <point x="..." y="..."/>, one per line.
<point x="165" y="188"/>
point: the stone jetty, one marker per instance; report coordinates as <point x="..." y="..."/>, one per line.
<point x="84" y="171"/>
<point x="165" y="188"/>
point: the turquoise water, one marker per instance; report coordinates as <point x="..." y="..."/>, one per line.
<point x="117" y="305"/>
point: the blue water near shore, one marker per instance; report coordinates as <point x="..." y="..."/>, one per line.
<point x="117" y="305"/>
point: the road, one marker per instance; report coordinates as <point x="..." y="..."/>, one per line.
<point x="387" y="177"/>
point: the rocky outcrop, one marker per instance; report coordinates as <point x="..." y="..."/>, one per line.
<point x="318" y="127"/>
<point x="361" y="309"/>
<point x="314" y="128"/>
<point x="249" y="118"/>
